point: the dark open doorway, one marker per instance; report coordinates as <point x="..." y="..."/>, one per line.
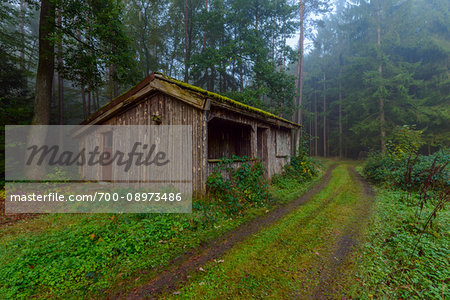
<point x="262" y="146"/>
<point x="227" y="138"/>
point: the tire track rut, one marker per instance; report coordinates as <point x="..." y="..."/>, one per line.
<point x="191" y="261"/>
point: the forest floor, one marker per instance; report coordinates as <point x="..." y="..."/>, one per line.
<point x="305" y="249"/>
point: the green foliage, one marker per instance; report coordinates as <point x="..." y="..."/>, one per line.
<point x="407" y="70"/>
<point x="300" y="169"/>
<point x="389" y="268"/>
<point x="252" y="97"/>
<point x="93" y="38"/>
<point x="234" y="56"/>
<point x="14" y="98"/>
<point x="95" y="252"/>
<point x="83" y="255"/>
<point x="405" y="141"/>
<point x="238" y="184"/>
<point x="402" y="167"/>
<point x="393" y="170"/>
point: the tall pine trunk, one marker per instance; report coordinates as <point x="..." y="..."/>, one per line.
<point x="83" y="94"/>
<point x="316" y="129"/>
<point x="299" y="100"/>
<point x="340" y="120"/>
<point x="44" y="82"/>
<point x="60" y="78"/>
<point x="22" y="34"/>
<point x="310" y="129"/>
<point x="45" y="70"/>
<point x="115" y="85"/>
<point x="186" y="42"/>
<point x="204" y="48"/>
<point x="89" y="101"/>
<point x="380" y="71"/>
<point x="83" y="98"/>
<point x="324" y="117"/>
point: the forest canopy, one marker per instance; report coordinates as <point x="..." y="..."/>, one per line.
<point x="361" y="68"/>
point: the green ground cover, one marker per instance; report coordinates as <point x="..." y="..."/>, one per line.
<point x="387" y="266"/>
<point x="88" y="255"/>
<point x="280" y="260"/>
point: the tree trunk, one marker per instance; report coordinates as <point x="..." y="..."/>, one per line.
<point x="186" y="42"/>
<point x="310" y="128"/>
<point x="204" y="47"/>
<point x="89" y="101"/>
<point x="316" y="129"/>
<point x="256" y="17"/>
<point x="324" y="117"/>
<point x="45" y="70"/>
<point x="299" y="100"/>
<point x="44" y="82"/>
<point x="241" y="79"/>
<point x="300" y="75"/>
<point x="22" y="34"/>
<point x="115" y="87"/>
<point x="60" y="78"/>
<point x="147" y="56"/>
<point x="380" y="71"/>
<point x="232" y="75"/>
<point x="83" y="97"/>
<point x="274" y="24"/>
<point x="83" y="94"/>
<point x="97" y="100"/>
<point x="340" y="120"/>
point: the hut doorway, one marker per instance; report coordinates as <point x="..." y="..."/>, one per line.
<point x="227" y="138"/>
<point x="262" y="145"/>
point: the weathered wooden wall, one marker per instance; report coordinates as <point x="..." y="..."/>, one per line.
<point x="275" y="161"/>
<point x="278" y="137"/>
<point x="161" y="109"/>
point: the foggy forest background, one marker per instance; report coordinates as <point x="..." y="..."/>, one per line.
<point x="361" y="68"/>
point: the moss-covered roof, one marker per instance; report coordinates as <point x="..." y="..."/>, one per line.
<point x="223" y="99"/>
<point x="213" y="96"/>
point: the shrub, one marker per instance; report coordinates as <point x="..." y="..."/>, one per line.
<point x="393" y="170"/>
<point x="244" y="186"/>
<point x="301" y="168"/>
<point x="403" y="167"/>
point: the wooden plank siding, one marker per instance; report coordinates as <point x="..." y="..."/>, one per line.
<point x="235" y="130"/>
<point x="171" y="112"/>
<point x="274" y="162"/>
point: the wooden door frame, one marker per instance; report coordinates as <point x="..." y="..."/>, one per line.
<point x="262" y="146"/>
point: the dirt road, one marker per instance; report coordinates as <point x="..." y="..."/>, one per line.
<point x="301" y="250"/>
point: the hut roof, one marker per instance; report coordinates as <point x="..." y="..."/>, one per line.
<point x="195" y="96"/>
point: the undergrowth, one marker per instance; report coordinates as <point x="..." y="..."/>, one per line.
<point x="407" y="253"/>
<point x="90" y="255"/>
<point x="392" y="265"/>
<point x="237" y="184"/>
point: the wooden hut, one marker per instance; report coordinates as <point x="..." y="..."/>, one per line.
<point x="221" y="127"/>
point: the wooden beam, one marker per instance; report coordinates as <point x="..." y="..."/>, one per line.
<point x="120" y="99"/>
<point x="255" y="116"/>
<point x="119" y="107"/>
<point x="217" y="160"/>
<point x="187" y="96"/>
